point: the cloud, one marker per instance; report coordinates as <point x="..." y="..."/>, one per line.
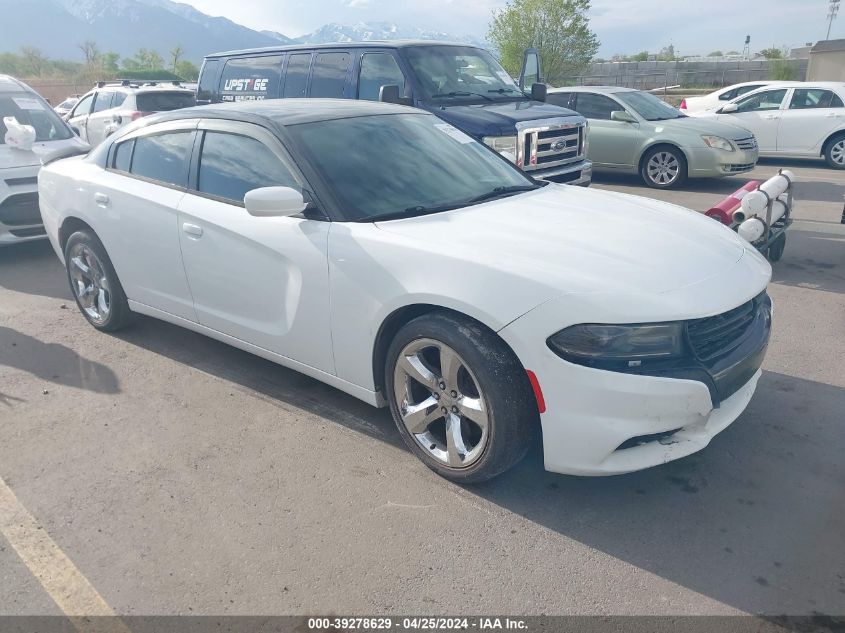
<point x="358" y="4"/>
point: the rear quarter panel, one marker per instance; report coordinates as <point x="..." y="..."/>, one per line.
<point x="63" y="188"/>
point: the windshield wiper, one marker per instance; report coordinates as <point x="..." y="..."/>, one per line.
<point x="412" y="212"/>
<point x="446" y="95"/>
<point x="502" y="91"/>
<point x="501" y="192"/>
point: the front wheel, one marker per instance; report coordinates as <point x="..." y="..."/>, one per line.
<point x="664" y="167"/>
<point x="94" y="283"/>
<point x="460" y="397"/>
<point x="834" y="154"/>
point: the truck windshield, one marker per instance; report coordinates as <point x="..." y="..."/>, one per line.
<point x="391" y="166"/>
<point x="30" y="110"/>
<point x="460" y="72"/>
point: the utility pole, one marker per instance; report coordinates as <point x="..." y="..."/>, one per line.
<point x="832" y="10"/>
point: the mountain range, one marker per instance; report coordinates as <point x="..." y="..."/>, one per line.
<point x="57" y="27"/>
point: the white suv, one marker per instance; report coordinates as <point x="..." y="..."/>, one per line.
<point x="112" y="105"/>
<point x="796" y="119"/>
<point x="20" y="219"/>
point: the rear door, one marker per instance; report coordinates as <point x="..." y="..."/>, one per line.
<point x="761" y="113"/>
<point x="260" y="280"/>
<point x="810" y="117"/>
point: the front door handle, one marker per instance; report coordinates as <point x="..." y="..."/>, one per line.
<point x="771" y="116"/>
<point x="192" y="229"/>
<point x="101" y="199"/>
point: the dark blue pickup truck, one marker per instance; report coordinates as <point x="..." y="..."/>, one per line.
<point x="463" y="85"/>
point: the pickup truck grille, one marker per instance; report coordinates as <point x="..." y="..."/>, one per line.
<point x="746" y="143"/>
<point x="549" y="144"/>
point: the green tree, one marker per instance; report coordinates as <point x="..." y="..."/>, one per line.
<point x="772" y="53"/>
<point x="144" y="59"/>
<point x="781" y="70"/>
<point x="716" y="54"/>
<point x="559" y="29"/>
<point x="176" y="54"/>
<point x="642" y="56"/>
<point x="187" y="70"/>
<point x="33" y="63"/>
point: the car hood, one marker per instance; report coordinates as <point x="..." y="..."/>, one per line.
<point x="575" y="240"/>
<point x="478" y="119"/>
<point x="698" y="125"/>
<point x="11" y="157"/>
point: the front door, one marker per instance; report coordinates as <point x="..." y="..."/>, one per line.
<point x="761" y="113"/>
<point x="262" y="280"/>
<point x="78" y="117"/>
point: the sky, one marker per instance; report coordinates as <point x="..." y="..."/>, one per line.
<point x="623" y="26"/>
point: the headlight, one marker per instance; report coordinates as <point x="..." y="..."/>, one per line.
<point x="588" y="342"/>
<point x="717" y="142"/>
<point x="505" y="145"/>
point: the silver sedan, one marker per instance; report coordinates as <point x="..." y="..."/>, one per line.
<point x="635" y="132"/>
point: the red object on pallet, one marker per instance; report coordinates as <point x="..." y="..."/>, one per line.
<point x="724" y="210"/>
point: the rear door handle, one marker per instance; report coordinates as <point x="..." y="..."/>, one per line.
<point x="771" y="116"/>
<point x="101" y="199"/>
<point x="192" y="229"/>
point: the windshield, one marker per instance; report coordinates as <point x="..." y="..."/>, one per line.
<point x="460" y="72"/>
<point x="164" y="101"/>
<point x="402" y="165"/>
<point x="648" y="106"/>
<point x="30" y="110"/>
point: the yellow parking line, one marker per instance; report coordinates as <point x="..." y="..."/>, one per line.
<point x="64" y="583"/>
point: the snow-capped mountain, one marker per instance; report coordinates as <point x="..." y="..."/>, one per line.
<point x="370" y="31"/>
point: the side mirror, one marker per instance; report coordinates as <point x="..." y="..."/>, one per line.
<point x="539" y="91"/>
<point x="75" y="130"/>
<point x="728" y="108"/>
<point x="622" y="115"/>
<point x="530" y="72"/>
<point x="269" y="202"/>
<point x="389" y="94"/>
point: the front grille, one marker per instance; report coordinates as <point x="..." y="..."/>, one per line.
<point x="20" y="209"/>
<point x="718" y="335"/>
<point x="747" y="143"/>
<point x="550" y="145"/>
<point x="17" y="182"/>
<point x="736" y="169"/>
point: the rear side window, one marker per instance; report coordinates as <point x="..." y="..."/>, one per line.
<point x="208" y="80"/>
<point x="164" y="101"/>
<point x="251" y="78"/>
<point x="118" y="99"/>
<point x="806" y="98"/>
<point x="163" y="157"/>
<point x="594" y="106"/>
<point x="297" y="76"/>
<point x="103" y="101"/>
<point x="328" y="78"/>
<point x="377" y="70"/>
<point x="231" y="165"/>
<point x="123" y="156"/>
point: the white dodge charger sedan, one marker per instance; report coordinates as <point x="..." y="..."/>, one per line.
<point x="384" y="252"/>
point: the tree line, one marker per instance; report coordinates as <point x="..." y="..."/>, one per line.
<point x="30" y="62"/>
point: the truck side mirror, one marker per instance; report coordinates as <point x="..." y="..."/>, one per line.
<point x="389" y="94"/>
<point x="539" y="92"/>
<point x="530" y="73"/>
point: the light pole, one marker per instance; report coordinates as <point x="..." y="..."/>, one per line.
<point x="833" y="9"/>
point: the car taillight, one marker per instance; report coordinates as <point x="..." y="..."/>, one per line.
<point x="683" y="104"/>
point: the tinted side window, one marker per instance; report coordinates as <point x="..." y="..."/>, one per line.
<point x="297" y="77"/>
<point x="164" y="101"/>
<point x="766" y="100"/>
<point x="123" y="156"/>
<point x="103" y="101"/>
<point x="806" y="98"/>
<point x="231" y="165"/>
<point x="163" y="157"/>
<point x="594" y="106"/>
<point x="743" y="89"/>
<point x="251" y="79"/>
<point x="377" y="70"/>
<point x="329" y="77"/>
<point x="208" y="80"/>
<point x="118" y="99"/>
<point x="84" y="106"/>
<point x="562" y="99"/>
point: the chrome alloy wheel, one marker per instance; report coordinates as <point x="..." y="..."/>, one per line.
<point x="663" y="168"/>
<point x="837" y="152"/>
<point x="441" y="403"/>
<point x="90" y="283"/>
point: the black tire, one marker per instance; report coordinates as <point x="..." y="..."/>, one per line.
<point x="87" y="244"/>
<point x="834" y="152"/>
<point x="490" y="372"/>
<point x="679" y="159"/>
<point x="776" y="249"/>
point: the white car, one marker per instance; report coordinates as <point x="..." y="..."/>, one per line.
<point x="721" y="96"/>
<point x="795" y="119"/>
<point x="384" y="252"/>
<point x="20" y="220"/>
<point x="111" y="105"/>
<point x="66" y="106"/>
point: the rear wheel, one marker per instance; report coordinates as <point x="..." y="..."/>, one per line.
<point x="834" y="153"/>
<point x="777" y="248"/>
<point x="664" y="167"/>
<point x="460" y="397"/>
<point x="94" y="283"/>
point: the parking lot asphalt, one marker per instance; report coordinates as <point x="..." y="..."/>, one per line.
<point x="176" y="475"/>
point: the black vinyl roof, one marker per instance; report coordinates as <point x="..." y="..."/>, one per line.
<point x="283" y="48"/>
